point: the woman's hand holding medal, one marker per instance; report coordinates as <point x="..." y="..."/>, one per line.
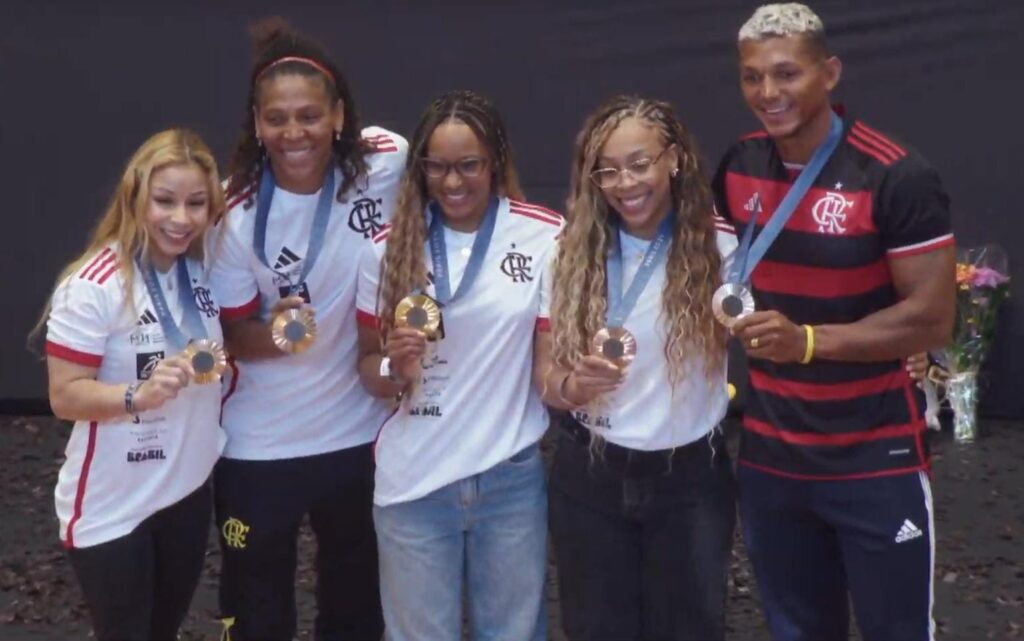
<point x="405" y="346"/>
<point x="592" y="377"/>
<point x="169" y="377"/>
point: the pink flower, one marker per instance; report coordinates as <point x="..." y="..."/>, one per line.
<point x="987" y="277"/>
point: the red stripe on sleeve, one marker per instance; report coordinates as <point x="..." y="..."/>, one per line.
<point x="536" y="216"/>
<point x="107" y="274"/>
<point x="99" y="267"/>
<point x="73" y="355"/>
<point x="537" y="208"/>
<point x="880" y="156"/>
<point x="922" y="248"/>
<point x="366" y="319"/>
<point x="83" y="479"/>
<point x="879" y="139"/>
<point x="95" y="261"/>
<point x="543" y="324"/>
<point x="245" y="311"/>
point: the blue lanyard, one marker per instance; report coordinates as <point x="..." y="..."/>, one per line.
<point x="619" y="306"/>
<point x="189" y="309"/>
<point x="439" y="253"/>
<point x="748" y="256"/>
<point x="316" y="234"/>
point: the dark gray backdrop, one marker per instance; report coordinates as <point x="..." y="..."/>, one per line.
<point x="83" y="86"/>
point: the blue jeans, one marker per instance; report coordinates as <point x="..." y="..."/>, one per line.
<point x="487" y="531"/>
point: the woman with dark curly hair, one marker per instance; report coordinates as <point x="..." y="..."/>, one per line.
<point x="307" y="188"/>
<point x="642" y="500"/>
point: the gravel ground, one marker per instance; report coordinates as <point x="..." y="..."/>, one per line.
<point x="979" y="588"/>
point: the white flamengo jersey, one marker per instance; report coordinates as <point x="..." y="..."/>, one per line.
<point x="313" y="402"/>
<point x="120" y="471"/>
<point x="476" y="404"/>
<point x="645" y="413"/>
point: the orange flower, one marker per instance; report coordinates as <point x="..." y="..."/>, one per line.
<point x="964" y="274"/>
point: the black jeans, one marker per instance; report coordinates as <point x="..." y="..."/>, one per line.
<point x="259" y="507"/>
<point x="642" y="539"/>
<point x="138" y="587"/>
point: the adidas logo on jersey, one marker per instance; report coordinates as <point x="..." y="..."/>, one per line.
<point x="285" y="258"/>
<point x="908" y="531"/>
<point x="147" y="318"/>
<point x="754" y="204"/>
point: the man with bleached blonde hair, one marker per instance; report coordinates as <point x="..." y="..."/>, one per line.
<point x="853" y="228"/>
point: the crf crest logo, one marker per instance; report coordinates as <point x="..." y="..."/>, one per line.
<point x="517" y="267"/>
<point x="204" y="301"/>
<point x="234" y="532"/>
<point x="365" y="217"/>
<point x="830" y="213"/>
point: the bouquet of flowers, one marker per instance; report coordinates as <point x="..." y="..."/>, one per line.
<point x="982" y="285"/>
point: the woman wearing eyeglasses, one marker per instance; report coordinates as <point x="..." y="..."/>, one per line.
<point x="452" y="317"/>
<point x="642" y="495"/>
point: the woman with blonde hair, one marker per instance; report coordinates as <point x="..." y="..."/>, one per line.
<point x="133" y="351"/>
<point x="452" y="308"/>
<point x="641" y="497"/>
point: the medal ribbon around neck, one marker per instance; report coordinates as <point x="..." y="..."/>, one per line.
<point x="439" y="253"/>
<point x="749" y="255"/>
<point x="316" y="233"/>
<point x="619" y="305"/>
<point x="190" y="311"/>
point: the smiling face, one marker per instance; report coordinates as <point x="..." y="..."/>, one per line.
<point x="464" y="190"/>
<point x="177" y="211"/>
<point x="642" y="195"/>
<point x="786" y="82"/>
<point x="297" y="120"/>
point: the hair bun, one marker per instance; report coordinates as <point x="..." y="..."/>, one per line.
<point x="270" y="33"/>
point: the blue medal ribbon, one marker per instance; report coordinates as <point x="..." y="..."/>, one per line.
<point x="619" y="305"/>
<point x="439" y="253"/>
<point x="189" y="310"/>
<point x="316" y="233"/>
<point x="749" y="255"/>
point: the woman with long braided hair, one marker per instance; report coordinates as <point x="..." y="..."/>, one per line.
<point x="452" y="319"/>
<point x="641" y="492"/>
<point x="307" y="190"/>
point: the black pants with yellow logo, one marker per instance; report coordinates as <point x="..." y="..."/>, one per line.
<point x="259" y="507"/>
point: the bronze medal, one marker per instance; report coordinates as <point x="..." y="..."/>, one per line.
<point x="294" y="330"/>
<point x="208" y="360"/>
<point x="616" y="345"/>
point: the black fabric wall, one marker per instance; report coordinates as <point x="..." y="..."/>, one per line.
<point x="81" y="87"/>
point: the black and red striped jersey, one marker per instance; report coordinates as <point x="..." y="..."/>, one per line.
<point x="876" y="200"/>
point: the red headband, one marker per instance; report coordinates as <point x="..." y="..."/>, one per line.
<point x="309" y="61"/>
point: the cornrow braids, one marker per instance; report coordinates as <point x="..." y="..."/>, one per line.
<point x="579" y="297"/>
<point x="280" y="50"/>
<point x="403" y="267"/>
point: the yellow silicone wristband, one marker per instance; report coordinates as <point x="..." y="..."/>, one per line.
<point x="809" y="353"/>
